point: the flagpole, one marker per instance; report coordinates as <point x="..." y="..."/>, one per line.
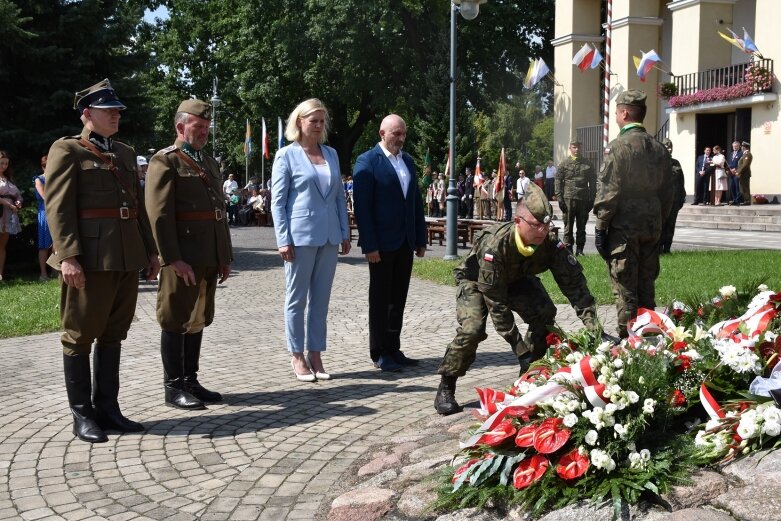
<point x="606" y="89"/>
<point x="451" y="216"/>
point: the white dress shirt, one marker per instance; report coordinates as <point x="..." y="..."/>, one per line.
<point x="401" y="168"/>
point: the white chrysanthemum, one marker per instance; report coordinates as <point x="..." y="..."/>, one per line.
<point x="620" y="431"/>
<point x="762" y="287"/>
<point x="570" y="420"/>
<point x="591" y="437"/>
<point x="633" y="396"/>
<point x="610" y="408"/>
<point x="727" y="291"/>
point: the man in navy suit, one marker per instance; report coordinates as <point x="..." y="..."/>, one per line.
<point x="391" y="226"/>
<point x="703" y="169"/>
<point x="732" y="169"/>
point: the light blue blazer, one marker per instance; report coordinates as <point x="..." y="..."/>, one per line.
<point x="303" y="215"/>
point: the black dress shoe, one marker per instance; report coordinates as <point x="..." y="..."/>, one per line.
<point x="402" y="359"/>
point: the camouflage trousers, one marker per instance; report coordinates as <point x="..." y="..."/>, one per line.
<point x="633" y="267"/>
<point x="575" y="219"/>
<point x="527" y="298"/>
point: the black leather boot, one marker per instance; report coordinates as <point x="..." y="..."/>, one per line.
<point x="445" y="403"/>
<point x="579" y="251"/>
<point x="172" y="353"/>
<point x="105" y="390"/>
<point x="192" y="352"/>
<point x="78" y="383"/>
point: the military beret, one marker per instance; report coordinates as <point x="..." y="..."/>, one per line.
<point x="631" y="97"/>
<point x="99" y="96"/>
<point x="746" y="144"/>
<point x="537" y="203"/>
<point x="196" y="107"/>
<point x="667" y="143"/>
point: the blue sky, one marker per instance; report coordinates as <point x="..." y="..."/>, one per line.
<point x="160" y="12"/>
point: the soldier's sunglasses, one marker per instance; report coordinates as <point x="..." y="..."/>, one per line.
<point x="536" y="226"/>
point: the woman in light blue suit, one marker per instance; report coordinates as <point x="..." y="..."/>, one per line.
<point x="310" y="222"/>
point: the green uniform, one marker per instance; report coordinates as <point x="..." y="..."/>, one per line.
<point x="679" y="197"/>
<point x="187" y="213"/>
<point x="576" y="186"/>
<point x="96" y="215"/>
<point x="744" y="176"/>
<point x="634" y="197"/>
<point x="496" y="279"/>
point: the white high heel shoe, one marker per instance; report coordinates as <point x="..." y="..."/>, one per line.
<point x="318" y="374"/>
<point x="309" y="377"/>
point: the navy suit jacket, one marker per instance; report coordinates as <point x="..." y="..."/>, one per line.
<point x="386" y="219"/>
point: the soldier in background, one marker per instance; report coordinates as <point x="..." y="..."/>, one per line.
<point x="187" y="211"/>
<point x="95" y="210"/>
<point x="634" y="197"/>
<point x="499" y="277"/>
<point x="744" y="173"/>
<point x="575" y="188"/>
<point x="679" y="197"/>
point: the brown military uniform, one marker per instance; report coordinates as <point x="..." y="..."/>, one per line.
<point x="97" y="216"/>
<point x="187" y="213"/>
<point x="744" y="174"/>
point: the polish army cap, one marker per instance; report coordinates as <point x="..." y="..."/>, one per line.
<point x="99" y="96"/>
<point x="746" y="144"/>
<point x="196" y="107"/>
<point x="632" y="97"/>
<point x="537" y="203"/>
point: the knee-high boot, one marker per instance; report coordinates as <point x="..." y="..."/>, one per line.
<point x="105" y="391"/>
<point x="172" y="353"/>
<point x="78" y="383"/>
<point x="192" y="353"/>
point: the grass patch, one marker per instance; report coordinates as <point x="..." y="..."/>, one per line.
<point x="683" y="274"/>
<point x="29" y="308"/>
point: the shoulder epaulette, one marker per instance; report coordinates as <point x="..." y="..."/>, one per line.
<point x="167" y="150"/>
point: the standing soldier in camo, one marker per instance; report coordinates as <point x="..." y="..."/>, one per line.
<point x="576" y="187"/>
<point x="634" y="197"/>
<point x="101" y="235"/>
<point x="499" y="277"/>
<point x="187" y="211"/>
<point x="679" y="197"/>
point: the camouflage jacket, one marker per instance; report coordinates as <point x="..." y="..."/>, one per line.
<point x="497" y="266"/>
<point x="634" y="185"/>
<point x="576" y="179"/>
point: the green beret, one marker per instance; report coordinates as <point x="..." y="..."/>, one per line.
<point x="631" y="97"/>
<point x="537" y="203"/>
<point x="98" y="96"/>
<point x="196" y="107"/>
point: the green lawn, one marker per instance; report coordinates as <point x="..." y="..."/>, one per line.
<point x="29" y="308"/>
<point x="683" y="274"/>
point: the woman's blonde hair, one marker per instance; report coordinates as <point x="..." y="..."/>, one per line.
<point x="304" y="109"/>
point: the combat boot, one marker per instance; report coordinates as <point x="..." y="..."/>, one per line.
<point x="172" y="353"/>
<point x="79" y="386"/>
<point x="579" y="251"/>
<point x="192" y="353"/>
<point x="105" y="390"/>
<point x="445" y="403"/>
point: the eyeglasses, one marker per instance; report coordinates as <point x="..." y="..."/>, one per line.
<point x="538" y="226"/>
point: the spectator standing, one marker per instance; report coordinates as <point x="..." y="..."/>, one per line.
<point x="229" y="186"/>
<point x="550" y="179"/>
<point x="679" y="196"/>
<point x="441" y="194"/>
<point x="461" y="193"/>
<point x="469" y="193"/>
<point x="575" y="189"/>
<point x="732" y="170"/>
<point x="744" y="173"/>
<point x="44" y="236"/>
<point x="391" y="225"/>
<point x="634" y="197"/>
<point x="704" y="169"/>
<point x="539" y="177"/>
<point x="522" y="184"/>
<point x="310" y="224"/>
<point x="720" y="172"/>
<point x="10" y="202"/>
<point x="508" y="197"/>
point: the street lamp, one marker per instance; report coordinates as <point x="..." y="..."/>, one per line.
<point x="216" y="102"/>
<point x="469" y="9"/>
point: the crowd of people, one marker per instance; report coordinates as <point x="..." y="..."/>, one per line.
<point x="724" y="178"/>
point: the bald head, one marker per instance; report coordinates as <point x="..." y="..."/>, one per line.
<point x="393" y="133"/>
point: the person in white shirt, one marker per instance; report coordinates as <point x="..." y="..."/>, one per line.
<point x="522" y="184"/>
<point x="550" y="179"/>
<point x="229" y="186"/>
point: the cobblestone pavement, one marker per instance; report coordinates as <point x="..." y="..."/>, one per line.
<point x="274" y="449"/>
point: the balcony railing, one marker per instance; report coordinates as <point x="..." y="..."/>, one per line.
<point x="723" y="77"/>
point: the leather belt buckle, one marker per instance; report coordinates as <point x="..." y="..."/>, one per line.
<point x="218" y="214"/>
<point x="124" y="213"/>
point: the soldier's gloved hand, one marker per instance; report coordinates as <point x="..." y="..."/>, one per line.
<point x="562" y="205"/>
<point x="600" y="241"/>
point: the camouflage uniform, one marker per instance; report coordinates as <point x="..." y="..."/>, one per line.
<point x="679" y="197"/>
<point x="634" y="197"/>
<point x="576" y="186"/>
<point x="496" y="278"/>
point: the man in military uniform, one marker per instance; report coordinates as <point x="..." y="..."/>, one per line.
<point x="187" y="211"/>
<point x="101" y="234"/>
<point x="634" y="197"/>
<point x="576" y="187"/>
<point x="499" y="276"/>
<point x="679" y="197"/>
<point x="744" y="173"/>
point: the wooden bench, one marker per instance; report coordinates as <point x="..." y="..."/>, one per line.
<point x="436" y="231"/>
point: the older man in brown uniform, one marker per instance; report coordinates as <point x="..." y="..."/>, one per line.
<point x="187" y="211"/>
<point x="101" y="239"/>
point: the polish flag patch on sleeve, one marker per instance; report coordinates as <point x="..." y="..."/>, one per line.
<point x="488" y="257"/>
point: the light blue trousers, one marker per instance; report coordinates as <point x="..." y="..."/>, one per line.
<point x="308" y="280"/>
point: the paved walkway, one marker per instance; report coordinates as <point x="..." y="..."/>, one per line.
<point x="274" y="449"/>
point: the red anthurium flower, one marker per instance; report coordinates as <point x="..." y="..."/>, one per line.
<point x="498" y="434"/>
<point x="463" y="468"/>
<point x="551" y="436"/>
<point x="520" y="411"/>
<point x="525" y="437"/>
<point x="552" y="339"/>
<point x="679" y="346"/>
<point x="572" y="465"/>
<point x="678" y="399"/>
<point x="529" y="471"/>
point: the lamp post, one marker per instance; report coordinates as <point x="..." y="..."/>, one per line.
<point x="469" y="9"/>
<point x="216" y="102"/>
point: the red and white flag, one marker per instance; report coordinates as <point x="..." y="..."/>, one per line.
<point x="264" y="138"/>
<point x="478" y="175"/>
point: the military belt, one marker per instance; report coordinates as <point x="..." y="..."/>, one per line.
<point x="213" y="215"/>
<point x="123" y="213"/>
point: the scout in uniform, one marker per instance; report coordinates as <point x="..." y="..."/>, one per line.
<point x="101" y="239"/>
<point x="634" y="198"/>
<point x="575" y="187"/>
<point x="499" y="276"/>
<point x="187" y="212"/>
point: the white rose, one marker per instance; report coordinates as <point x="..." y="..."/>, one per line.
<point x="570" y="420"/>
<point x="727" y="291"/>
<point x="633" y="397"/>
<point x="610" y="408"/>
<point x="771" y="429"/>
<point x="591" y="437"/>
<point x="645" y="454"/>
<point x="747" y="430"/>
<point x="618" y="363"/>
<point x="620" y="431"/>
